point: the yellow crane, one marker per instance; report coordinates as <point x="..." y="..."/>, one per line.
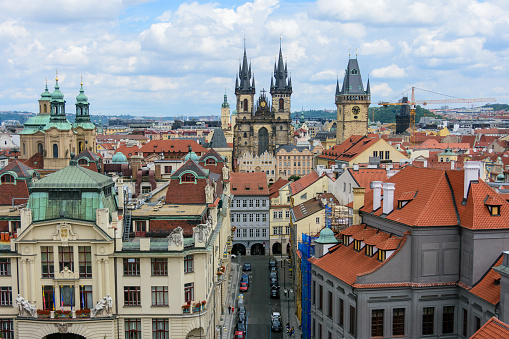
<point x="412" y="102"/>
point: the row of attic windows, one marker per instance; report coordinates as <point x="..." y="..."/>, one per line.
<point x="370" y="249"/>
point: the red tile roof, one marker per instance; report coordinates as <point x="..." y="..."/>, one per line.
<point x="274" y="188"/>
<point x="347" y="264"/>
<point x="128" y="151"/>
<point x="36" y="161"/>
<point x="9" y="191"/>
<point x="492" y="329"/>
<point x="349" y="149"/>
<point x="172" y="146"/>
<point x="364" y="176"/>
<point x="304" y="182"/>
<point x="434" y="144"/>
<point x="164" y="227"/>
<point x="486" y="288"/>
<point x="248" y="183"/>
<point x="311" y="206"/>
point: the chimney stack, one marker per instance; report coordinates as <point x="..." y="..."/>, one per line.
<point x="471" y="173"/>
<point x="388" y="188"/>
<point x="377" y="195"/>
<point x="358" y="202"/>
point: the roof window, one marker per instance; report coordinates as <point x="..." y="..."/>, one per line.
<point x="492" y="205"/>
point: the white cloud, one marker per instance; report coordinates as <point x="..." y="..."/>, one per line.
<point x="376" y="47"/>
<point x="325" y="75"/>
<point x="72" y="56"/>
<point x="392" y="71"/>
<point x="382" y="89"/>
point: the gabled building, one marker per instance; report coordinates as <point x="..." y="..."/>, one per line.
<point x="279" y="217"/>
<point x="343" y="186"/>
<point x="419" y="263"/>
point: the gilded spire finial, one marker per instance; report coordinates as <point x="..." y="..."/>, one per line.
<point x="349" y="54"/>
<point x="56" y="75"/>
<point x="82" y="80"/>
<point x="356" y="53"/>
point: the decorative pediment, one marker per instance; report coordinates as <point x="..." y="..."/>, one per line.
<point x="64" y="233"/>
<point x="66" y="274"/>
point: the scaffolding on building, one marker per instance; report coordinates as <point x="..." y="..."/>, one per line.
<point x="307" y="250"/>
<point x="337" y="217"/>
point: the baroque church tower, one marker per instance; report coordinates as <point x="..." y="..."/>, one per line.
<point x="265" y="125"/>
<point x="352" y="104"/>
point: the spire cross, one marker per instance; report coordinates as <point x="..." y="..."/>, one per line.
<point x="263" y="92"/>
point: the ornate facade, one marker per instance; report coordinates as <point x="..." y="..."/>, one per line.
<point x="50" y="133"/>
<point x="265" y="125"/>
<point x="352" y="103"/>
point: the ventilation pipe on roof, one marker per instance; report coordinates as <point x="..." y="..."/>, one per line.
<point x="452" y="164"/>
<point x="471" y="173"/>
<point x="388" y="188"/>
<point x="377" y="194"/>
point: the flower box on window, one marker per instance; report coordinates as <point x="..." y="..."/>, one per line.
<point x="186" y="308"/>
<point x="62" y="314"/>
<point x="43" y="313"/>
<point x="84" y="313"/>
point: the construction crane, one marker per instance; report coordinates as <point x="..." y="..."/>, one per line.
<point x="412" y="102"/>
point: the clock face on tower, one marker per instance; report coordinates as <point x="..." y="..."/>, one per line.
<point x="263" y="103"/>
<point x="355" y="111"/>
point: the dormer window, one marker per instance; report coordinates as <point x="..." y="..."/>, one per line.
<point x="369" y="250"/>
<point x="210" y="161"/>
<point x="187" y="177"/>
<point x="405" y="198"/>
<point x="82" y="162"/>
<point x="357" y="245"/>
<point x="493" y="206"/>
<point x="346" y="240"/>
<point x="7" y="179"/>
<point x="381" y="255"/>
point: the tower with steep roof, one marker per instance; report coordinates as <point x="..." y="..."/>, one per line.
<point x="352" y="103"/>
<point x="44" y="101"/>
<point x="245" y="89"/>
<point x="83" y="126"/>
<point x="281" y="88"/>
<point x="225" y="114"/>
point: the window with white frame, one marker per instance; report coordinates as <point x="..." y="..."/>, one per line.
<point x="238" y="232"/>
<point x="244" y="217"/>
<point x="280" y="214"/>
<point x="244" y="232"/>
<point x="251" y="203"/>
<point x="287" y="214"/>
<point x="257" y="217"/>
<point x="251" y="232"/>
<point x="264" y="203"/>
<point x="287" y="229"/>
<point x="251" y="217"/>
<point x="238" y="203"/>
<point x="274" y="214"/>
<point x="264" y="232"/>
<point x="238" y="217"/>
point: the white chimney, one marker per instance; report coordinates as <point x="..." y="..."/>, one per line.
<point x="452" y="164"/>
<point x="388" y="188"/>
<point x="471" y="173"/>
<point x="377" y="194"/>
<point x="425" y="163"/>
<point x="356" y="167"/>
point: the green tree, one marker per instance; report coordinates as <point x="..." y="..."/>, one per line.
<point x="294" y="177"/>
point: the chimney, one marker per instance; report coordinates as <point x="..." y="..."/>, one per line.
<point x="356" y="167"/>
<point x="471" y="173"/>
<point x="377" y="194"/>
<point x="388" y="188"/>
<point x="425" y="163"/>
<point x="452" y="164"/>
<point x="358" y="202"/>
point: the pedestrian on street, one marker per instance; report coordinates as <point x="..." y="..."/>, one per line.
<point x="292" y="331"/>
<point x="229" y="309"/>
<point x="233" y="310"/>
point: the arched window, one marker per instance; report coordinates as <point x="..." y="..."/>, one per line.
<point x="45" y="108"/>
<point x="210" y="161"/>
<point x="245" y="105"/>
<point x="40" y="148"/>
<point x="24" y="149"/>
<point x="245" y="135"/>
<point x="80" y="146"/>
<point x="7" y="178"/>
<point x="55" y="151"/>
<point x="281" y="104"/>
<point x="188" y="177"/>
<point x="82" y="162"/>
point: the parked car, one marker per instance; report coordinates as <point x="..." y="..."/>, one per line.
<point x="275" y="322"/>
<point x="246" y="267"/>
<point x="241" y="326"/>
<point x="273" y="269"/>
<point x="241" y="317"/>
<point x="273" y="275"/>
<point x="239" y="335"/>
<point x="272" y="263"/>
<point x="274" y="281"/>
<point x="244" y="278"/>
<point x="243" y="287"/>
<point x="274" y="292"/>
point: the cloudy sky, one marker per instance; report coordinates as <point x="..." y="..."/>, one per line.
<point x="165" y="58"/>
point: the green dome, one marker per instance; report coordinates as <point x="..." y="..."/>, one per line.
<point x="57" y="95"/>
<point x="119" y="158"/>
<point x="82" y="98"/>
<point x="46" y="95"/>
<point x="326" y="237"/>
<point x="191" y="155"/>
<point x="500" y="177"/>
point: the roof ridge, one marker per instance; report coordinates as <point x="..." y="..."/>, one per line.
<point x="430" y="200"/>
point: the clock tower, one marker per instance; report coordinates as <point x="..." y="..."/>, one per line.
<point x="352" y="104"/>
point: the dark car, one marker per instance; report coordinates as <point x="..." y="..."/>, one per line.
<point x="275" y="325"/>
<point x="274" y="281"/>
<point x="272" y="263"/>
<point x="246" y="267"/>
<point x="273" y="274"/>
<point x="244" y="278"/>
<point x="241" y="326"/>
<point x="274" y="292"/>
<point x="273" y="269"/>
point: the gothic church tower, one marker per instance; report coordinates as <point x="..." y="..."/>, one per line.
<point x="281" y="90"/>
<point x="352" y="104"/>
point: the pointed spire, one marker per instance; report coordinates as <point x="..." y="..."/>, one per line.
<point x="272" y="82"/>
<point x="368" y="89"/>
<point x="337" y="86"/>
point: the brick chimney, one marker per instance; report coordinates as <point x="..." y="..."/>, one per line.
<point x="377" y="195"/>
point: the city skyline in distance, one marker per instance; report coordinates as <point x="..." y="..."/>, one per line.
<point x="157" y="58"/>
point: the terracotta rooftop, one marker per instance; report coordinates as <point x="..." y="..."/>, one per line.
<point x="346" y="264"/>
<point x="304" y="182"/>
<point x="492" y="329"/>
<point x="486" y="288"/>
<point x="172" y="146"/>
<point x="248" y="183"/>
<point x="350" y="148"/>
<point x="364" y="176"/>
<point x="274" y="188"/>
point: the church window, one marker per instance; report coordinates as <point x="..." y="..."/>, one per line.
<point x="40" y="148"/>
<point x="245" y="105"/>
<point x="210" y="161"/>
<point x="281" y="104"/>
<point x="354" y="72"/>
<point x="45" y="108"/>
<point x="55" y="151"/>
<point x="24" y="149"/>
<point x="188" y="177"/>
<point x="7" y="178"/>
<point x="245" y="135"/>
